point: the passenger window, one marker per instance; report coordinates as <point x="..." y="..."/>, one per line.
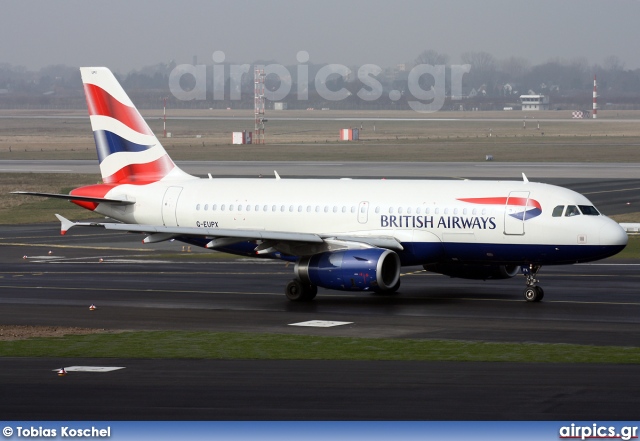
<point x="572" y="210"/>
<point x="239" y="207"/>
<point x="353" y="209"/>
<point x="418" y="210"/>
<point x="290" y="208"/>
<point x="274" y="208"/>
<point x="230" y="207"/>
<point x="335" y="209"/>
<point x="390" y="210"/>
<point x="214" y="207"/>
<point x="344" y="209"/>
<point x="589" y="210"/>
<point x="400" y="210"/>
<point x="557" y="212"/>
<point x="377" y="209"/>
<point x="222" y="207"/>
<point x="409" y="210"/>
<point x="308" y="208"/>
<point x="198" y="207"/>
<point x="206" y="207"/>
<point x="299" y="208"/>
<point x="326" y="208"/>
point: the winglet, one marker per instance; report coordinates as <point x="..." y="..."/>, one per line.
<point x="524" y="177"/>
<point x="277" y="175"/>
<point x="65" y="224"/>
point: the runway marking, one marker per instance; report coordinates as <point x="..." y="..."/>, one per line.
<point x="91" y="368"/>
<point x="613" y="191"/>
<point x="129" y="290"/>
<point x="607" y="264"/>
<point x="17" y="170"/>
<point x="78" y="247"/>
<point x="320" y="324"/>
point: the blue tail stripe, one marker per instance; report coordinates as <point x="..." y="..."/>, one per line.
<point x="108" y="142"/>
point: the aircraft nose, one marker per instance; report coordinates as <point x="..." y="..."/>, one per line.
<point x="613" y="234"/>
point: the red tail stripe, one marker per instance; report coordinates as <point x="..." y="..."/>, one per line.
<point x="100" y="102"/>
<point x="142" y="173"/>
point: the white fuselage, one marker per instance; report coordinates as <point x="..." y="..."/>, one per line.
<point x="412" y="211"/>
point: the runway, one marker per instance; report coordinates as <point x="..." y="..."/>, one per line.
<point x="165" y="288"/>
<point x="535" y="171"/>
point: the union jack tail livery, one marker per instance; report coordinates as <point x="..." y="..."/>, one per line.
<point x="128" y="151"/>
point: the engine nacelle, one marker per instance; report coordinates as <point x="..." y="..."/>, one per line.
<point x="474" y="271"/>
<point x="371" y="269"/>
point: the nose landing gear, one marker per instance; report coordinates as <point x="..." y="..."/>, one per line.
<point x="532" y="293"/>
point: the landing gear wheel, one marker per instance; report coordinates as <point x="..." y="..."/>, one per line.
<point x="533" y="293"/>
<point x="296" y="291"/>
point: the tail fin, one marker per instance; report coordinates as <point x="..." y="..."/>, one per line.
<point x="128" y="151"/>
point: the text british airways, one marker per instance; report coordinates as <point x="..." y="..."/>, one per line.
<point x="444" y="222"/>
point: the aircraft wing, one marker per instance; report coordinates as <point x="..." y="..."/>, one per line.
<point x="71" y="197"/>
<point x="223" y="236"/>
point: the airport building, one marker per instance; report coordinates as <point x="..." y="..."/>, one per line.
<point x="534" y="102"/>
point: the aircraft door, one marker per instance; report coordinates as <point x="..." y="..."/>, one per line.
<point x="170" y="206"/>
<point x="514" y="212"/>
<point x="363" y="212"/>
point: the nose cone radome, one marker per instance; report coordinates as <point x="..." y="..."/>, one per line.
<point x="612" y="234"/>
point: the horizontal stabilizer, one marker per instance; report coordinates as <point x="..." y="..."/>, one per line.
<point x="71" y="197"/>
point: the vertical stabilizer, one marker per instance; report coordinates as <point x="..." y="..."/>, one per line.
<point x="128" y="151"/>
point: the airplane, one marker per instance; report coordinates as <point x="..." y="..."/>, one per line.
<point x="342" y="234"/>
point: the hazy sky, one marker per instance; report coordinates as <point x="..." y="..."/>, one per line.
<point x="125" y="35"/>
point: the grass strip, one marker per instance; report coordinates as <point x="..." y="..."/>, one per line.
<point x="226" y="346"/>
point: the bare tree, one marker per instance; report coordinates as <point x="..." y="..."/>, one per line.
<point x="613" y="63"/>
<point x="432" y="57"/>
<point x="515" y="68"/>
<point x="480" y="61"/>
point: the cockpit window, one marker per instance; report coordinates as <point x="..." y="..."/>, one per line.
<point x="572" y="210"/>
<point x="589" y="210"/>
<point x="557" y="212"/>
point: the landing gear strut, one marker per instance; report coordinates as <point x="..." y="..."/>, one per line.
<point x="296" y="291"/>
<point x="532" y="293"/>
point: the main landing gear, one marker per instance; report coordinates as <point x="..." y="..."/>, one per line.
<point x="532" y="293"/>
<point x="297" y="291"/>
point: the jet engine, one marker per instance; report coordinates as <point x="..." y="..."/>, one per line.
<point x="370" y="269"/>
<point x="474" y="271"/>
